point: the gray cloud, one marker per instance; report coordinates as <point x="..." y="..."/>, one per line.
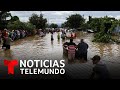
<point x="60" y="16"/>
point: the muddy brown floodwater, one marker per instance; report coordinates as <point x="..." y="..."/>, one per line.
<point x="42" y="48"/>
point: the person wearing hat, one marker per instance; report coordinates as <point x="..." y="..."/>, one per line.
<point x="100" y="70"/>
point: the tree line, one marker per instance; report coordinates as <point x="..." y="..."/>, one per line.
<point x="103" y="26"/>
<point x="35" y="22"/>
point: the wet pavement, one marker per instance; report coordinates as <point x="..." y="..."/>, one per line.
<point x="43" y="48"/>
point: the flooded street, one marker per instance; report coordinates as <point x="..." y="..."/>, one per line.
<point x="42" y="48"/>
<point x="36" y="47"/>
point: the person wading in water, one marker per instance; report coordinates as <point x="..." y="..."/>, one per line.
<point x="52" y="36"/>
<point x="82" y="50"/>
<point x="100" y="70"/>
<point x="71" y="50"/>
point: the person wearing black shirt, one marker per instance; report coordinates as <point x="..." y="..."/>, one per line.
<point x="100" y="70"/>
<point x="82" y="50"/>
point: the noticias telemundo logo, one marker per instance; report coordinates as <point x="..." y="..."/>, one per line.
<point x="10" y="64"/>
<point x="36" y="66"/>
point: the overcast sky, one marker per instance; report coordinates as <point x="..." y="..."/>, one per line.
<point x="59" y="17"/>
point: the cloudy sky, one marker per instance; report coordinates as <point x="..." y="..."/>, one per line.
<point x="59" y="17"/>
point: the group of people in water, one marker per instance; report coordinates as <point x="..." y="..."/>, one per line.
<point x="63" y="35"/>
<point x="6" y="36"/>
<point x="79" y="51"/>
<point x="73" y="51"/>
<point x="100" y="70"/>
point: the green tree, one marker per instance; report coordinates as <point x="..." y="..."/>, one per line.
<point x="94" y="24"/>
<point x="75" y="21"/>
<point x="106" y="25"/>
<point x="4" y="15"/>
<point x="14" y="18"/>
<point x="34" y="19"/>
<point x="16" y="25"/>
<point x="65" y="25"/>
<point x="42" y="22"/>
<point x="3" y="19"/>
<point x="47" y="25"/>
<point x="53" y="25"/>
<point x="38" y="21"/>
<point x="84" y="26"/>
<point x="62" y="25"/>
<point x="29" y="26"/>
<point x="99" y="24"/>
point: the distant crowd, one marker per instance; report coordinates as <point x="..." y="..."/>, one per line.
<point x="6" y="36"/>
<point x="14" y="34"/>
<point x="11" y="35"/>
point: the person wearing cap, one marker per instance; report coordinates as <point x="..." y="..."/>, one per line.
<point x="82" y="50"/>
<point x="100" y="70"/>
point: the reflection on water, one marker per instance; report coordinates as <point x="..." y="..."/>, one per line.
<point x="58" y="41"/>
<point x="36" y="47"/>
<point x="8" y="54"/>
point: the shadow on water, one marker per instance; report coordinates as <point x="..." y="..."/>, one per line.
<point x="58" y="41"/>
<point x="73" y="61"/>
<point x="52" y="44"/>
